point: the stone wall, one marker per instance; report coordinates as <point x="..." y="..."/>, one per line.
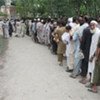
<point x="9" y="10"/>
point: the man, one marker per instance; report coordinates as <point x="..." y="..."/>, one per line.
<point x="39" y="31"/>
<point x="77" y="59"/>
<point x="66" y="37"/>
<point x="58" y="38"/>
<point x="1" y="23"/>
<point x="85" y="47"/>
<point x="23" y="28"/>
<point x="70" y="58"/>
<point x="53" y="43"/>
<point x="5" y="28"/>
<point x="96" y="76"/>
<point x="77" y="37"/>
<point x="47" y="32"/>
<point x="30" y="27"/>
<point x="10" y="29"/>
<point x="18" y="28"/>
<point x="96" y="34"/>
<point x="98" y="22"/>
<point x="34" y="31"/>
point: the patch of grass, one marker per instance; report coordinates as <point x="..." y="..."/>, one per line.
<point x="3" y="45"/>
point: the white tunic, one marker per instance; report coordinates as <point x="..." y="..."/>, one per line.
<point x="66" y="40"/>
<point x="93" y="48"/>
<point x="18" y="28"/>
<point x="81" y="29"/>
<point x="69" y="49"/>
<point x="39" y="32"/>
<point x="47" y="33"/>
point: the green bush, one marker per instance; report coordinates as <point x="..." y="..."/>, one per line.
<point x="3" y="14"/>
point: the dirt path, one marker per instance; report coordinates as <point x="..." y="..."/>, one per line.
<point x="32" y="73"/>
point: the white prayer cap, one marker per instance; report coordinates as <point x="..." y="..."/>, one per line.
<point x="55" y="23"/>
<point x="94" y="22"/>
<point x="70" y="19"/>
<point x="49" y="16"/>
<point x="42" y="21"/>
<point x="34" y="19"/>
<point x="38" y="19"/>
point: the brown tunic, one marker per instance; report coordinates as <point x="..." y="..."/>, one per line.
<point x="58" y="35"/>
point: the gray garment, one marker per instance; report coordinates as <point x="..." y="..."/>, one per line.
<point x="5" y="28"/>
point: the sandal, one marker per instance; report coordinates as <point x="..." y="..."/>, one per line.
<point x="73" y="76"/>
<point x="83" y="81"/>
<point x="89" y="85"/>
<point x="93" y="90"/>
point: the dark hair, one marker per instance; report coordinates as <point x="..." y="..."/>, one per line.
<point x="87" y="19"/>
<point x="75" y="19"/>
<point x="61" y="22"/>
<point x="49" y="20"/>
<point x="68" y="27"/>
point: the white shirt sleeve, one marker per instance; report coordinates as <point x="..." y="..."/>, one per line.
<point x="66" y="38"/>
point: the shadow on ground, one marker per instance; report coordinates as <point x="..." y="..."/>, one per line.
<point x="3" y="48"/>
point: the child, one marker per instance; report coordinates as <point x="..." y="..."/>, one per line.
<point x="67" y="38"/>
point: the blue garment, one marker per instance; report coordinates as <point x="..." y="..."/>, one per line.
<point x="77" y="60"/>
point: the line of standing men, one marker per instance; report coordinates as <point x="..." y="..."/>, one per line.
<point x="78" y="41"/>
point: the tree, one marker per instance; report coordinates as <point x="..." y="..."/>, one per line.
<point x="57" y="7"/>
<point x="2" y="2"/>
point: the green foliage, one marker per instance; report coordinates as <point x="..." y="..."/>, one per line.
<point x="56" y="8"/>
<point x="2" y="2"/>
<point x="3" y="14"/>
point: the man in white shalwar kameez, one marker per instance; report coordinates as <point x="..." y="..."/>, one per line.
<point x="70" y="46"/>
<point x="95" y="38"/>
<point x="18" y="28"/>
<point x="5" y="28"/>
<point x="23" y="29"/>
<point x="39" y="31"/>
<point x="47" y="33"/>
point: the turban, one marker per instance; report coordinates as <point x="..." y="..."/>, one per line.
<point x="94" y="22"/>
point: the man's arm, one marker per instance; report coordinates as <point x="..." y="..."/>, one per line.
<point x="83" y="41"/>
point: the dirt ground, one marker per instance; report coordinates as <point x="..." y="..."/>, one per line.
<point x="31" y="72"/>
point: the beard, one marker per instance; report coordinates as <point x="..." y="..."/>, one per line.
<point x="93" y="30"/>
